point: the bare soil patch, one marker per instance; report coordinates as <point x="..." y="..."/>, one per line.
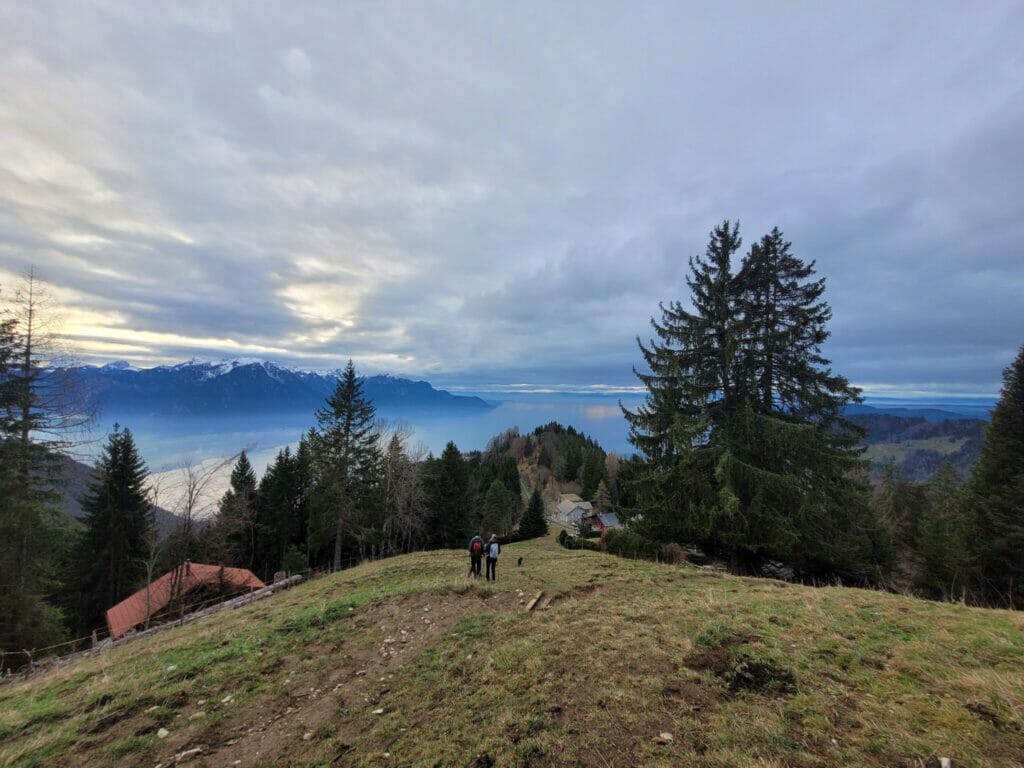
<point x="322" y="708"/>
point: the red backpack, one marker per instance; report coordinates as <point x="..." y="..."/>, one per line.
<point x="477" y="547"/>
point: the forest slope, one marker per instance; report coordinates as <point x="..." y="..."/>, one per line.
<point x="404" y="662"/>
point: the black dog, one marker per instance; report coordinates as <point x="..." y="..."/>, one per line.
<point x="520" y="561"/>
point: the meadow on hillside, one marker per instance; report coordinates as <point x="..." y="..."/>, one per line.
<point x="404" y="661"/>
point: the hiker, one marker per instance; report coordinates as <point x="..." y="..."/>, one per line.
<point x="493" y="550"/>
<point x="476" y="552"/>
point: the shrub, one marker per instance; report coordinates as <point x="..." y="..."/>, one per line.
<point x="626" y="543"/>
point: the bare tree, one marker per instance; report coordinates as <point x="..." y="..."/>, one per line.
<point x="43" y="411"/>
<point x="196" y="488"/>
<point x="53" y="407"/>
<point x="156" y="544"/>
<point x="405" y="498"/>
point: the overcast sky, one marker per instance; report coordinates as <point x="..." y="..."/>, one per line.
<point x="503" y="192"/>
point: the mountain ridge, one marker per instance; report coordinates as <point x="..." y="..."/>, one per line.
<point x="228" y="387"/>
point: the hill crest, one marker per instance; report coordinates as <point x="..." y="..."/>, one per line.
<point x="405" y="662"/>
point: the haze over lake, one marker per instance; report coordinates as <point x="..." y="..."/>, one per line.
<point x="166" y="442"/>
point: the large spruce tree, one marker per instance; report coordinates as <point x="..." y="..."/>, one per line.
<point x="109" y="559"/>
<point x="995" y="496"/>
<point x="748" y="451"/>
<point x="345" y="444"/>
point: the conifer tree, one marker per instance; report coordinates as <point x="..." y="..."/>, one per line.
<point x="496" y="510"/>
<point x="995" y="495"/>
<point x="683" y="422"/>
<point x="234" y="531"/>
<point x="345" y="444"/>
<point x="748" y="451"/>
<point x="281" y="514"/>
<point x="942" y="537"/>
<point x="534" y="523"/>
<point x="110" y="557"/>
<point x="33" y="532"/>
<point x="448" y="499"/>
<point x="592" y="473"/>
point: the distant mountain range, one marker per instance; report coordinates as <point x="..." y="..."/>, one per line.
<point x="240" y="387"/>
<point x="928" y="412"/>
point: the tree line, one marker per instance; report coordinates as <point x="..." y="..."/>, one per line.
<point x="351" y="490"/>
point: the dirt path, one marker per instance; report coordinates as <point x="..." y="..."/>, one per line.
<point x="338" y="701"/>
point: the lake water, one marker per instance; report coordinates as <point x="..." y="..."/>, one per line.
<point x="166" y="443"/>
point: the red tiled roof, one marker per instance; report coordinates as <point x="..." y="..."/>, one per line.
<point x="132" y="610"/>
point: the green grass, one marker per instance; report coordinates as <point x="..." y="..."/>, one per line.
<point x="404" y="662"/>
<point x="898" y="452"/>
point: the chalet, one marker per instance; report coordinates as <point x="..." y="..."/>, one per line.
<point x="571" y="509"/>
<point x="182" y="590"/>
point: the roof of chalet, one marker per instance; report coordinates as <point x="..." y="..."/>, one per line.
<point x="610" y="520"/>
<point x="569" y="506"/>
<point x="132" y="610"/>
<point x="571" y="497"/>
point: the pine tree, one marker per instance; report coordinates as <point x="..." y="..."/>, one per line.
<point x="33" y="532"/>
<point x="995" y="494"/>
<point x="534" y="523"/>
<point x="495" y="510"/>
<point x="110" y="557"/>
<point x="748" y="452"/>
<point x="234" y="531"/>
<point x="683" y="422"/>
<point x="593" y="472"/>
<point x="942" y="537"/>
<point x="345" y="443"/>
<point x="281" y="515"/>
<point x="448" y="499"/>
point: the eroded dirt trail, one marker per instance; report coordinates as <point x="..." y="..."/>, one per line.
<point x="332" y="694"/>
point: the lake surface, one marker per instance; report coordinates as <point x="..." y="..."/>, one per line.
<point x="165" y="443"/>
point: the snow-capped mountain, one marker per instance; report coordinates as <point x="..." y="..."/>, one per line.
<point x="230" y="387"/>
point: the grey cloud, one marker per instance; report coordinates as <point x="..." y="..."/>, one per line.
<point x="496" y="191"/>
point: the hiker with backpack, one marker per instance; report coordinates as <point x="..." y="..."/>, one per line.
<point x="476" y="553"/>
<point x="493" y="550"/>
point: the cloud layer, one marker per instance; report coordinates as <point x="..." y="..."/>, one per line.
<point x="503" y="192"/>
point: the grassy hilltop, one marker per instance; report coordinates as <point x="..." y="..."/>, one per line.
<point x="404" y="662"/>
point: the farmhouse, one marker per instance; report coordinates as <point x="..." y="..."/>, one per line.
<point x="571" y="509"/>
<point x="184" y="589"/>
